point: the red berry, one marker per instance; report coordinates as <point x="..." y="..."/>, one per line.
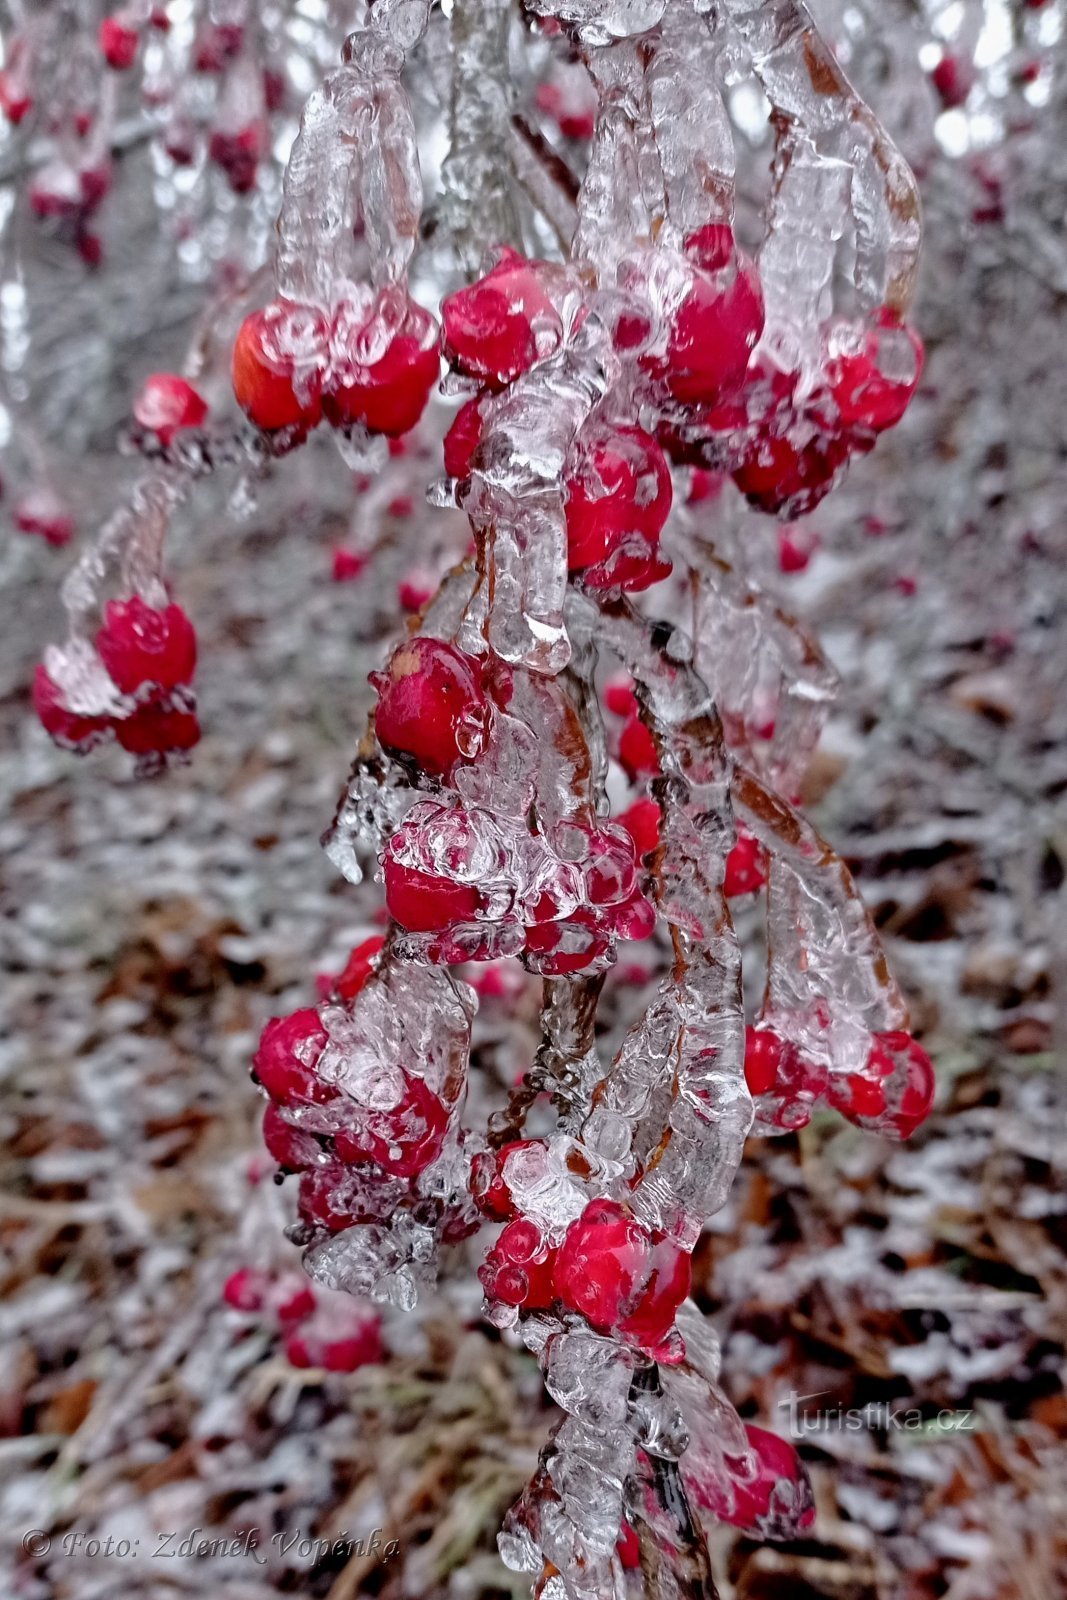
<point x="415" y="591"/>
<point x="246" y="1289"/>
<point x="118" y="43"/>
<point x="895" y="1092"/>
<point x="488" y="1180"/>
<point x="384" y="363"/>
<point x="642" y="822"/>
<point x="796" y="546"/>
<point x="764" y="1054"/>
<point x="519" y="1268"/>
<point x="293" y="1299"/>
<point x="290" y="1147"/>
<point x="637" y="749"/>
<point x="403" y="1140"/>
<point x="617" y="484"/>
<point x="16" y="101"/>
<point x="744" y="867"/>
<point x="285" y="1059"/>
<point x="873" y="382"/>
<point x="348" y="565"/>
<point x="628" y="1547"/>
<point x="777" y="1499"/>
<point x="279" y="357"/>
<point x="775" y="474"/>
<point x="361" y="963"/>
<point x="464" y="436"/>
<point x="498" y="327"/>
<point x="424" y="902"/>
<point x="238" y="153"/>
<point x="431" y="705"/>
<point x="167" y="404"/>
<point x="713" y="334"/>
<point x="334" y="1350"/>
<point x="619" y="1276"/>
<point x="216" y="44"/>
<point x="619" y="697"/>
<point x="327" y="1198"/>
<point x="156" y="728"/>
<point x="69" y="729"/>
<point x="953" y="78"/>
<point x="139" y="644"/>
<point x="41" y="512"/>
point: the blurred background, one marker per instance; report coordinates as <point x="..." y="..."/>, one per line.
<point x="149" y="930"/>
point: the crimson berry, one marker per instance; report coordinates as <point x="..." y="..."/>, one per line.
<point x="637" y="749"/>
<point x="403" y="1140"/>
<point x="292" y="1148"/>
<point x="426" y="902"/>
<point x="41" y="512"/>
<point x="279" y="357"/>
<point x="488" y="1181"/>
<point x="745" y="871"/>
<point x="497" y="328"/>
<point x="431" y="705"/>
<point x="568" y="946"/>
<point x="715" y="329"/>
<point x="293" y="1299"/>
<point x="464" y="436"/>
<point x="764" y="1054"/>
<point x="69" y="729"/>
<point x="618" y="1275"/>
<point x="628" y="1547"/>
<point x="327" y="1199"/>
<point x="775" y="474"/>
<point x="519" y="1270"/>
<point x="617" y="483"/>
<point x="246" y="1289"/>
<point x="285" y="1059"/>
<point x="642" y="823"/>
<point x="156" y="728"/>
<point x="415" y="591"/>
<point x="217" y="43"/>
<point x="141" y="644"/>
<point x="358" y="968"/>
<point x="118" y="43"/>
<point x="619" y="697"/>
<point x="778" y="1497"/>
<point x="953" y="78"/>
<point x="872" y="382"/>
<point x="239" y="153"/>
<point x="382" y="368"/>
<point x="16" y="102"/>
<point x="348" y="565"/>
<point x="167" y="404"/>
<point x="334" y="1351"/>
<point x="895" y="1092"/>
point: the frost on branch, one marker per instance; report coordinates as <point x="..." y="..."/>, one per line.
<point x="622" y="340"/>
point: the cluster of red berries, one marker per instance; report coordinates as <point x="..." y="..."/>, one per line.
<point x="334" y="1335"/>
<point x="356" y="1162"/>
<point x="606" y="1266"/>
<point x="150" y="656"/>
<point x="892" y="1096"/>
<point x="373" y="366"/>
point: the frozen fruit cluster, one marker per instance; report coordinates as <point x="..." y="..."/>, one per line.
<point x="323" y="1331"/>
<point x="892" y="1095"/>
<point x="478" y="885"/>
<point x="149" y="656"/>
<point x="372" y="364"/>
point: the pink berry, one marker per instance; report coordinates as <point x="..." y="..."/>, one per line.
<point x="118" y="43"/>
<point x="246" y="1289"/>
<point x="167" y="404"/>
<point x="498" y="327"/>
<point x="424" y="902"/>
<point x="16" y="101"/>
<point x="69" y="729"/>
<point x="431" y="705"/>
<point x="139" y="644"/>
<point x="279" y="357"/>
<point x="383" y="367"/>
<point x="617" y="484"/>
<point x="285" y="1059"/>
<point x="415" y="591"/>
<point x="348" y="565"/>
<point x="745" y="871"/>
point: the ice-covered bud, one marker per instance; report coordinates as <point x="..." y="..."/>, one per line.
<point x="431" y="705"/>
<point x="166" y="404"/>
<point x="140" y="645"/>
<point x="279" y="358"/>
<point x="873" y="373"/>
<point x="292" y="1148"/>
<point x="894" y="1092"/>
<point x="336" y="1344"/>
<point x="403" y="1139"/>
<point x="384" y="362"/>
<point x="285" y="1060"/>
<point x="621" y="1277"/>
<point x="637" y="749"/>
<point x="717" y="325"/>
<point x="69" y="729"/>
<point x="745" y="869"/>
<point x="41" y="512"/>
<point x="519" y="1268"/>
<point x="464" y="436"/>
<point x="784" y="1085"/>
<point x="768" y="1494"/>
<point x="118" y="42"/>
<point x="617" y="489"/>
<point x="495" y="329"/>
